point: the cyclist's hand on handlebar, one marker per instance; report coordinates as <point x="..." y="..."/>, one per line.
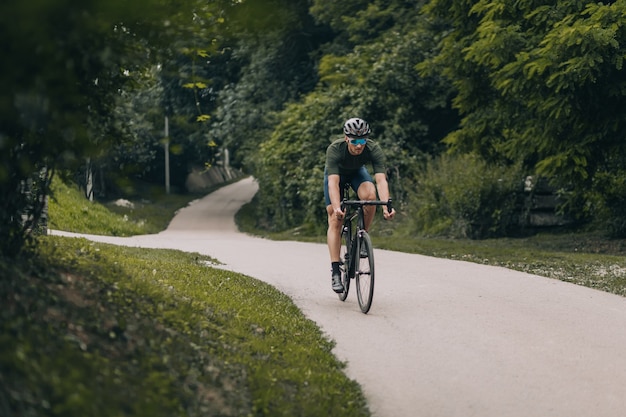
<point x="388" y="215"/>
<point x="339" y="213"/>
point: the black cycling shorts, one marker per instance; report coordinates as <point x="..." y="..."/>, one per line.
<point x="355" y="181"/>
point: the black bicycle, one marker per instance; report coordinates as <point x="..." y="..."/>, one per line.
<point x="357" y="254"/>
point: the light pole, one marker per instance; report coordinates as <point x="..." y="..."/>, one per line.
<point x="166" y="146"/>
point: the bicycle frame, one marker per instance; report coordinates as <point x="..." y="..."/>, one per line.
<point x="358" y="214"/>
<point x="358" y="208"/>
<point x="352" y="228"/>
<point x="354" y="235"/>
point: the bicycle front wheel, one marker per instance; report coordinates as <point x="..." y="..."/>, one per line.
<point x="365" y="273"/>
<point x="345" y="262"/>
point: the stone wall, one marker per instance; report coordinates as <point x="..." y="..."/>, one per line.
<point x="200" y="181"/>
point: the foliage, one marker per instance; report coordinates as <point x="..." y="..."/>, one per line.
<point x="409" y="115"/>
<point x="112" y="71"/>
<point x="68" y="64"/>
<point x="465" y="197"/>
<point x="140" y="123"/>
<point x="178" y="82"/>
<point x="607" y="197"/>
<point x="537" y="82"/>
<point x="273" y="65"/>
<point x="291" y="162"/>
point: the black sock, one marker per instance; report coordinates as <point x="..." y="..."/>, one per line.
<point x="335" y="266"/>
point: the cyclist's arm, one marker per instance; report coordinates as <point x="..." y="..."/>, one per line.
<point x="333" y="192"/>
<point x="383" y="193"/>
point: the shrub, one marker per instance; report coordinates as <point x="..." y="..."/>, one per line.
<point x="464" y="196"/>
<point x="608" y="199"/>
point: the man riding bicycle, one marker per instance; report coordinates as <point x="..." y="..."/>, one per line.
<point x="345" y="164"/>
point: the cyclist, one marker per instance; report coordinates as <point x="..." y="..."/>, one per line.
<point x="345" y="163"/>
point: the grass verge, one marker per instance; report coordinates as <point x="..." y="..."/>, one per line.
<point x="585" y="259"/>
<point x="70" y="211"/>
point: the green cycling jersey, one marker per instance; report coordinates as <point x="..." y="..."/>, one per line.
<point x="339" y="161"/>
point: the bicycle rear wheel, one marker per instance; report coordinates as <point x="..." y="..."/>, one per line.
<point x="344" y="258"/>
<point x="365" y="273"/>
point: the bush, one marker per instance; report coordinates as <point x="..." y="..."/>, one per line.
<point x="464" y="196"/>
<point x="608" y="199"/>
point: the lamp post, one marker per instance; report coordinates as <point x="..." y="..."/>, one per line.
<point x="166" y="146"/>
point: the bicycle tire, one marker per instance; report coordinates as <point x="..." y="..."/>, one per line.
<point x="345" y="263"/>
<point x="365" y="273"/>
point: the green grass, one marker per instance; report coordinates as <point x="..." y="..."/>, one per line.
<point x="583" y="258"/>
<point x="100" y="330"/>
<point x="70" y="211"/>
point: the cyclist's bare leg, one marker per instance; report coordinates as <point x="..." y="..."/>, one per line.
<point x="367" y="191"/>
<point x="333" y="235"/>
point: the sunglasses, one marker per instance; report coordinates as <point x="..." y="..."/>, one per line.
<point x="360" y="141"/>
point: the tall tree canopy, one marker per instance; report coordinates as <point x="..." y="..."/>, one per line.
<point x="536" y="84"/>
<point x="540" y="82"/>
<point x="367" y="71"/>
<point x="67" y="63"/>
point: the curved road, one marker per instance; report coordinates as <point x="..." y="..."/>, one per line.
<point x="443" y="338"/>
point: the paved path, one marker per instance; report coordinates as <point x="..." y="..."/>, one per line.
<point x="444" y="338"/>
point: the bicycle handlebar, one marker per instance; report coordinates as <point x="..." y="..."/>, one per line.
<point x="367" y="203"/>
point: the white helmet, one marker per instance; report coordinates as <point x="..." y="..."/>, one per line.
<point x="356" y="127"/>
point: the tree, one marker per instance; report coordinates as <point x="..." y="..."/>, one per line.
<point x="539" y="82"/>
<point x="68" y="63"/>
<point x="272" y="63"/>
<point x="375" y="80"/>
